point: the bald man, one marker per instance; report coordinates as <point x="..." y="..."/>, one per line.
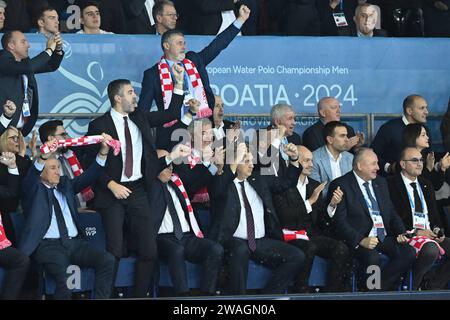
<point x="328" y="109"/>
<point x="366" y="220"/>
<point x="301" y="208"/>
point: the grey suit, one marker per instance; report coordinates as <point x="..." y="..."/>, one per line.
<point x="322" y="168"/>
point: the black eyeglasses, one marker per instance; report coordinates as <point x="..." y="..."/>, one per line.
<point x="414" y="160"/>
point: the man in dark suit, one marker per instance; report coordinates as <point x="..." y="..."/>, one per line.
<point x="52" y="233"/>
<point x="179" y="238"/>
<point x="284" y="115"/>
<point x="121" y="192"/>
<point x="139" y="18"/>
<point x="17" y="80"/>
<point x="328" y="109"/>
<point x="387" y="143"/>
<point x="366" y="220"/>
<point x="247" y="225"/>
<point x="173" y="45"/>
<point x="221" y="125"/>
<point x="14" y="261"/>
<point x="366" y="17"/>
<point x="302" y="209"/>
<point x="415" y="202"/>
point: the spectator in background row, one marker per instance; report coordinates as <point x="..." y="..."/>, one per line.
<point x="16" y="16"/>
<point x="165" y="16"/>
<point x="445" y="128"/>
<point x="366" y="17"/>
<point x="2" y="14"/>
<point x="19" y="85"/>
<point x="301" y="18"/>
<point x="91" y="19"/>
<point x="329" y="109"/>
<point x="139" y="18"/>
<point x="48" y="22"/>
<point x="387" y="143"/>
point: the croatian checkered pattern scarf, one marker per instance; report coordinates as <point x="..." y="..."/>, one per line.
<point x="167" y="87"/>
<point x="417" y="243"/>
<point x="290" y="235"/>
<point x="194" y="225"/>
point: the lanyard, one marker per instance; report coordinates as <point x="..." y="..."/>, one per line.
<point x="25" y="86"/>
<point x="341" y="5"/>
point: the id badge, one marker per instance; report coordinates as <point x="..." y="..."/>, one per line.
<point x="26" y="108"/>
<point x="339" y="19"/>
<point x="377" y="219"/>
<point x="419" y="221"/>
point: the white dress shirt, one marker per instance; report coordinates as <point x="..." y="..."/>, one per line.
<point x="219" y="133"/>
<point x="167" y="223"/>
<point x="257" y="209"/>
<point x="136" y="138"/>
<point x="301" y="187"/>
<point x="335" y="165"/>
<point x="149" y="7"/>
<point x="410" y="191"/>
<point x="373" y="232"/>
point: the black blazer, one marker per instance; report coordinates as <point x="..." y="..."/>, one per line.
<point x="313" y="136"/>
<point x="227" y="208"/>
<point x="388" y="143"/>
<point x="11" y="81"/>
<point x="292" y="213"/>
<point x="402" y="205"/>
<point x="137" y="17"/>
<point x="352" y="221"/>
<point x="159" y="204"/>
<point x="150" y="164"/>
<point x="36" y="202"/>
<point x="23" y="164"/>
<point x="9" y="193"/>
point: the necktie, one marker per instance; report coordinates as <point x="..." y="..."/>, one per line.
<point x="177" y="230"/>
<point x="380" y="231"/>
<point x="128" y="150"/>
<point x="417" y="203"/>
<point x="250" y="222"/>
<point x="63" y="232"/>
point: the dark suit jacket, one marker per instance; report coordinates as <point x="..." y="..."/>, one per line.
<point x="9" y="188"/>
<point x="11" y="81"/>
<point x="376" y="33"/>
<point x="37" y="205"/>
<point x="402" y="205"/>
<point x="292" y="213"/>
<point x="23" y="164"/>
<point x="150" y="164"/>
<point x="313" y="136"/>
<point x="159" y="204"/>
<point x="388" y="143"/>
<point x="137" y="18"/>
<point x="352" y="221"/>
<point x="328" y="26"/>
<point x="227" y="208"/>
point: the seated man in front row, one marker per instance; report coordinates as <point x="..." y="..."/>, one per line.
<point x="247" y="225"/>
<point x="366" y="220"/>
<point x="52" y="233"/>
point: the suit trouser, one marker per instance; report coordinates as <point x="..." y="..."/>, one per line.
<point x="285" y="260"/>
<point x="129" y="220"/>
<point x="56" y="257"/>
<point x="438" y="277"/>
<point x="401" y="258"/>
<point x="16" y="264"/>
<point x="197" y="250"/>
<point x="327" y="248"/>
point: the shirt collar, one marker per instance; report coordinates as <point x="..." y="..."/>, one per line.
<point x="304" y="184"/>
<point x="360" y="180"/>
<point x="331" y="156"/>
<point x="220" y="127"/>
<point x="405" y="121"/>
<point x="406" y="180"/>
<point x="117" y="115"/>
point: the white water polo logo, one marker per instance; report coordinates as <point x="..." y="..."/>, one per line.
<point x="90" y="97"/>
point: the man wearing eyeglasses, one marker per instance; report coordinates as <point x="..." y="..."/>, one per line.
<point x="415" y="203"/>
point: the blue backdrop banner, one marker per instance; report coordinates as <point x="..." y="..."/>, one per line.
<point x="253" y="73"/>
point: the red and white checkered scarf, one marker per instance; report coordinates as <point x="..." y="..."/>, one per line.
<point x="194" y="225"/>
<point x="417" y="243"/>
<point x="202" y="195"/>
<point x="87" y="193"/>
<point x="290" y="235"/>
<point x="4" y="242"/>
<point x="197" y="84"/>
<point x="82" y="141"/>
